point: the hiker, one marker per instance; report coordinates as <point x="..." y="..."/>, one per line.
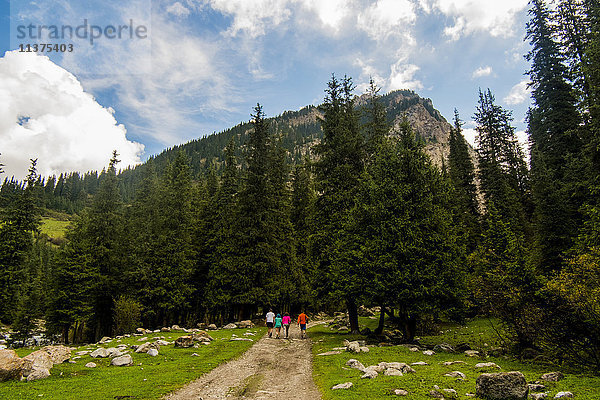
<point x="302" y="321"/>
<point x="270" y="317"/>
<point x="277" y="325"/>
<point x="286" y="324"/>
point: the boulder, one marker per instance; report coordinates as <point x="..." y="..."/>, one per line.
<point x="122" y="361"/>
<point x="456" y="374"/>
<point x="140" y="330"/>
<point x="114" y="352"/>
<point x="143" y="348"/>
<point x="91" y="365"/>
<point x="369" y="374"/>
<point x="364" y="349"/>
<point x="538" y="396"/>
<point x="352" y="363"/>
<point x="212" y="327"/>
<point x="11" y="365"/>
<point x="400" y="392"/>
<point x="487" y="365"/>
<point x="429" y="352"/>
<point x="161" y="342"/>
<point x="502" y="386"/>
<point x="152" y="352"/>
<point x="165" y="329"/>
<point x="564" y="395"/>
<point x="38" y="373"/>
<point x="419" y="363"/>
<point x="245" y="324"/>
<point x="471" y="353"/>
<point x="353" y="347"/>
<point x="405" y="368"/>
<point x="99" y="353"/>
<point x="443" y="348"/>
<point x="230" y="326"/>
<point x="184" y="341"/>
<point x="536" y="387"/>
<point x="346" y="385"/>
<point x="393" y="372"/>
<point x="38" y="360"/>
<point x="552" y="376"/>
<point x="105" y="339"/>
<point x="58" y="354"/>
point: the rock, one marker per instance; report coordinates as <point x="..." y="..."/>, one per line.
<point x="83" y="352"/>
<point x="142" y="339"/>
<point x="346" y="385"/>
<point x="553" y="376"/>
<point x="38" y="373"/>
<point x="114" y="352"/>
<point x="11" y="365"/>
<point x="536" y="387"/>
<point x="419" y="363"/>
<point x="162" y="343"/>
<point x="471" y="353"/>
<point x="429" y="352"/>
<point x="413" y="349"/>
<point x="369" y="374"/>
<point x="143" y="348"/>
<point x="230" y="326"/>
<point x="564" y="395"/>
<point x="184" y="341"/>
<point x="212" y="327"/>
<point x="122" y="361"/>
<point x="502" y="386"/>
<point x="140" y="330"/>
<point x="165" y="329"/>
<point x="239" y="339"/>
<point x="538" y="396"/>
<point x="245" y="324"/>
<point x="330" y="353"/>
<point x="38" y="360"/>
<point x="91" y="365"/>
<point x="435" y="394"/>
<point x="152" y="352"/>
<point x="105" y="339"/>
<point x="352" y="363"/>
<point x="393" y="372"/>
<point x="487" y="365"/>
<point x="202" y="336"/>
<point x="364" y="349"/>
<point x="99" y="353"/>
<point x="453" y="362"/>
<point x="450" y="392"/>
<point x="353" y="347"/>
<point x="405" y="368"/>
<point x="58" y="354"/>
<point x="443" y="348"/>
<point x="400" y="392"/>
<point x="456" y="374"/>
<point x="377" y="368"/>
<point x="176" y="328"/>
<point x="343" y="329"/>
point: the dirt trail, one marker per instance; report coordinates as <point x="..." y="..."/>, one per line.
<point x="271" y="369"/>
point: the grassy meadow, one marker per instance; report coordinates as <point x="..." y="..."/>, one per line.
<point x="148" y="377"/>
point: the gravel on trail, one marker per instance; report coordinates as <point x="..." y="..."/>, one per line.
<point x="271" y="369"/>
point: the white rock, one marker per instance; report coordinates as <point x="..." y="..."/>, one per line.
<point x="369" y="374"/>
<point x="400" y="392"/>
<point x="38" y="373"/>
<point x="346" y="385"/>
<point x="91" y="365"/>
<point x="352" y="363"/>
<point x="456" y="374"/>
<point x="419" y="363"/>
<point x="564" y="395"/>
<point x="429" y="352"/>
<point x="152" y="352"/>
<point x="487" y="365"/>
<point x="471" y="353"/>
<point x="393" y="372"/>
<point x="122" y="361"/>
<point x="99" y="353"/>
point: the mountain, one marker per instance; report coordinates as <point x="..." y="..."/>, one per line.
<point x="299" y="131"/>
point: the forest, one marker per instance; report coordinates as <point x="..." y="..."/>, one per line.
<point x="362" y="217"/>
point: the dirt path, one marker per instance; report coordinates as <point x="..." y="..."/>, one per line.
<point x="271" y="369"/>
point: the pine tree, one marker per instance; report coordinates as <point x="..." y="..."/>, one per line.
<point x="461" y="173"/>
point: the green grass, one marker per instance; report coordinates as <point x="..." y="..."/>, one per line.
<point x="54" y="228"/>
<point x="148" y="378"/>
<point x="331" y="370"/>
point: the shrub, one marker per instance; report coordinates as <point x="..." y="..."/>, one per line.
<point x="127" y="315"/>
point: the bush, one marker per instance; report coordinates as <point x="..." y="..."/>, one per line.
<point x="128" y="314"/>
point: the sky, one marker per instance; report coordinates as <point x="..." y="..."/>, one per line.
<point x="144" y="75"/>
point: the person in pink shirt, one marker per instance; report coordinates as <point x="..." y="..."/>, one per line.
<point x="286" y="324"/>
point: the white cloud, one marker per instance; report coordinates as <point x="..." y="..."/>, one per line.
<point x="402" y="77"/>
<point x="470" y="134"/>
<point x="481" y="72"/>
<point x="47" y="115"/>
<point x="178" y="9"/>
<point x="388" y="17"/>
<point x="470" y="16"/>
<point x="518" y="94"/>
<point x="331" y="13"/>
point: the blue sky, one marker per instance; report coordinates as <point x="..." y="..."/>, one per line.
<point x="205" y="63"/>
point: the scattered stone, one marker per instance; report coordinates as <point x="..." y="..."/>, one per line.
<point x="419" y="363"/>
<point x="105" y="339"/>
<point x="83" y="352"/>
<point x="99" y="353"/>
<point x="413" y="349"/>
<point x="212" y="327"/>
<point x="343" y="329"/>
<point x="140" y="330"/>
<point x="370" y="373"/>
<point x="114" y="352"/>
<point x="456" y="374"/>
<point x="353" y="363"/>
<point x="364" y="349"/>
<point x="405" y="368"/>
<point x="91" y="365"/>
<point x="162" y="343"/>
<point x="553" y="376"/>
<point x="353" y="347"/>
<point x="143" y="339"/>
<point x="330" y="353"/>
<point x="246" y="324"/>
<point x="536" y="387"/>
<point x="502" y="386"/>
<point x="450" y="392"/>
<point x="239" y="339"/>
<point x="471" y="353"/>
<point x="538" y="396"/>
<point x="429" y="352"/>
<point x="195" y="355"/>
<point x="400" y="392"/>
<point x="393" y="372"/>
<point x="346" y="385"/>
<point x="487" y="365"/>
<point x="184" y="341"/>
<point x="143" y="348"/>
<point x="564" y="395"/>
<point x="453" y="362"/>
<point x="152" y="352"/>
<point x="230" y="326"/>
<point x="165" y="329"/>
<point x="435" y="394"/>
<point x="122" y="361"/>
<point x="176" y="328"/>
<point x="58" y="354"/>
<point x="443" y="348"/>
<point x="38" y="373"/>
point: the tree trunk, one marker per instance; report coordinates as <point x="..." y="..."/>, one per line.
<point x="379" y="328"/>
<point x="352" y="316"/>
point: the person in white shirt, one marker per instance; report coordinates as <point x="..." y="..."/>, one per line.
<point x="270" y="318"/>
